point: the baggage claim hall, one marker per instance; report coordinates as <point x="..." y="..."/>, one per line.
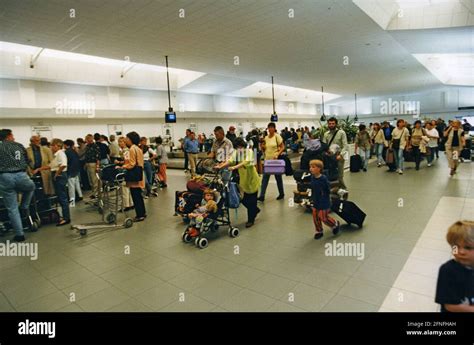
<point x="222" y="156"/>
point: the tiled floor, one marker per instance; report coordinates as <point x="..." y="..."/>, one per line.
<point x="278" y="267"/>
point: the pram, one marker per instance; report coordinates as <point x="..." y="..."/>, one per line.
<point x="186" y="202"/>
<point x="110" y="202"/>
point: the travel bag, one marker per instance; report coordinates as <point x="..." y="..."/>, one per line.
<point x="274" y="167"/>
<point x="349" y="211"/>
<point x="355" y="163"/>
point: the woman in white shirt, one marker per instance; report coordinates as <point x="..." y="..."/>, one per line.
<point x="58" y="167"/>
<point x="399" y="143"/>
<point x="433" y="135"/>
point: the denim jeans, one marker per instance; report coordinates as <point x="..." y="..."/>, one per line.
<point x="60" y="186"/>
<point x="10" y="185"/>
<point x="266" y="179"/>
<point x="399" y="159"/>
<point x="365" y="155"/>
<point x="430" y="158"/>
<point x="378" y="151"/>
<point x="148" y="175"/>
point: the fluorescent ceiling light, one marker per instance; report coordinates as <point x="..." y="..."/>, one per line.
<point x="283" y="93"/>
<point x="450" y="69"/>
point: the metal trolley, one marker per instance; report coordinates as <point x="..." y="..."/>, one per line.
<point x="111" y="203"/>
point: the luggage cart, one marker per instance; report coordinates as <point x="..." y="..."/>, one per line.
<point x="43" y="208"/>
<point x="111" y="203"/>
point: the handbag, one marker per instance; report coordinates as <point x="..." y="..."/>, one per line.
<point x="134" y="175"/>
<point x="390" y="156"/>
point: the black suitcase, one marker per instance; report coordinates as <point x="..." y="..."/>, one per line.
<point x="302" y="175"/>
<point x="466" y="154"/>
<point x="349" y="211"/>
<point x="356" y="163"/>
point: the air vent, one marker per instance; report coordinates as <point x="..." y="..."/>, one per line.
<point x="466" y="108"/>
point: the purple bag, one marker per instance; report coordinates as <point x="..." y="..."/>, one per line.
<point x="274" y="167"/>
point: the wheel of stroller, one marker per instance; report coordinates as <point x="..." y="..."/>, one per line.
<point x="110" y="218"/>
<point x="187" y="238"/>
<point x="34" y="226"/>
<point x="202" y="242"/>
<point x="234" y="232"/>
<point x="83" y="232"/>
<point x="128" y="222"/>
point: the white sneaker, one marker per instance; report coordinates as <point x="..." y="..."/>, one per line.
<point x="400" y="172"/>
<point x="429" y="164"/>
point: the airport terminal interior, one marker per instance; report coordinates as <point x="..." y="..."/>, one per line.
<point x="357" y="86"/>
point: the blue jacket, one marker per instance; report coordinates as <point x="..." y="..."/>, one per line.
<point x="320" y="190"/>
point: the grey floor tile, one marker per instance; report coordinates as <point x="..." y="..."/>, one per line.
<point x="248" y="301"/>
<point x="308" y="297"/>
<point x="243" y="276"/>
<point x="130" y="305"/>
<point x="189" y="303"/>
<point x="169" y="270"/>
<point x="341" y="303"/>
<point x="191" y="280"/>
<point x="52" y="302"/>
<point x="71" y="278"/>
<point x="103" y="300"/>
<point x="138" y="284"/>
<point x="159" y="296"/>
<point x="279" y="306"/>
<point x="86" y="288"/>
<point x="364" y="290"/>
<point x="216" y="291"/>
<point x="326" y="280"/>
<point x="121" y="273"/>
<point x="273" y="286"/>
<point x="26" y="293"/>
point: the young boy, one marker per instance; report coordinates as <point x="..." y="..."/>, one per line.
<point x="197" y="217"/>
<point x="455" y="289"/>
<point x="320" y="190"/>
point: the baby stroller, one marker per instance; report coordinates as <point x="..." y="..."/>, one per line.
<point x="214" y="220"/>
<point x="111" y="202"/>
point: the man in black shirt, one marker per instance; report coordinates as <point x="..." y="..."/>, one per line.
<point x="104" y="150"/>
<point x="14" y="180"/>
<point x="73" y="169"/>
<point x="92" y="164"/>
<point x="231" y="134"/>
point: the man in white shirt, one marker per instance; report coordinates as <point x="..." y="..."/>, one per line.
<point x="58" y="167"/>
<point x="433" y="135"/>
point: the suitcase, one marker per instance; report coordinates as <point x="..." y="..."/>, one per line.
<point x="466" y="154"/>
<point x="355" y="163"/>
<point x="348" y="211"/>
<point x="274" y="167"/>
<point x="185" y="202"/>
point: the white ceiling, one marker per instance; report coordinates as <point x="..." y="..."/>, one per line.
<point x="306" y="51"/>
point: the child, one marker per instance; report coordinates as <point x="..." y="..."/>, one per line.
<point x="455" y="289"/>
<point x="320" y="197"/>
<point x="197" y="217"/>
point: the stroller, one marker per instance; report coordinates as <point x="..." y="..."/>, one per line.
<point x="110" y="202"/>
<point x="186" y="202"/>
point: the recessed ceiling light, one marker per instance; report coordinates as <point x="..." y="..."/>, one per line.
<point x="367" y="44"/>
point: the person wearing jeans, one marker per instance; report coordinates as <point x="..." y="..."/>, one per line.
<point x="243" y="160"/>
<point x="433" y="135"/>
<point x="272" y="147"/>
<point x="14" y="180"/>
<point x="378" y="139"/>
<point x="415" y="141"/>
<point x="191" y="147"/>
<point x="132" y="141"/>
<point x="148" y="155"/>
<point x="455" y="142"/>
<point x="400" y="141"/>
<point x="58" y="167"/>
<point x="73" y="169"/>
<point x="362" y="144"/>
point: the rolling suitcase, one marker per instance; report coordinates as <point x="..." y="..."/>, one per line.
<point x="274" y="166"/>
<point x="356" y="163"/>
<point x="349" y="211"/>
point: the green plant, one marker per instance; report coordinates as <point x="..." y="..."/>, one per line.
<point x="349" y="127"/>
